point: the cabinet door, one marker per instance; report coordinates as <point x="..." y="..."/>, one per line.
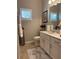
<point x="55" y="49"/>
<point x="47" y="43"/>
<point x="42" y="41"/>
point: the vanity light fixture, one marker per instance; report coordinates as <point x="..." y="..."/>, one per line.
<point x="53" y="0"/>
<point x="50" y="1"/>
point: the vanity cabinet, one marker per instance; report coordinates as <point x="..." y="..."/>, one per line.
<point x="55" y="48"/>
<point x="44" y="42"/>
<point x="51" y="45"/>
<point x="44" y="56"/>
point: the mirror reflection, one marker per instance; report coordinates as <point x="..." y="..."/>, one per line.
<point x="55" y="16"/>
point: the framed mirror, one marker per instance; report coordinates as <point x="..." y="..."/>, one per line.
<point x="55" y="16"/>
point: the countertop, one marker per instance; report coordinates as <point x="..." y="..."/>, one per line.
<point x="52" y="34"/>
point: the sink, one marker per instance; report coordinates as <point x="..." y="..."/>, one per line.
<point x="55" y="33"/>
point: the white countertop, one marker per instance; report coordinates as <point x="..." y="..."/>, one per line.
<point x="53" y="34"/>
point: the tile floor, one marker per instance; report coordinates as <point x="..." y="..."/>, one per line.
<point x="23" y="51"/>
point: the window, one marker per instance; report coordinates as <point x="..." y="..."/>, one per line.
<point x="53" y="16"/>
<point x="26" y="14"/>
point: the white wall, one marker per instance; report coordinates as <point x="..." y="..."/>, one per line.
<point x="45" y="5"/>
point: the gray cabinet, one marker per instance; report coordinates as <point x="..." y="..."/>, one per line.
<point x="51" y="45"/>
<point x="47" y="44"/>
<point x="55" y="48"/>
<point x="44" y="42"/>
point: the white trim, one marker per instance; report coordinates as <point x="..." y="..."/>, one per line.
<point x="29" y="42"/>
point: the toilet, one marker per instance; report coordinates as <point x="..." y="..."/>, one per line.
<point x="37" y="41"/>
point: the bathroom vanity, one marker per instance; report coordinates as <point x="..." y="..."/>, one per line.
<point x="51" y="44"/>
<point x="50" y="40"/>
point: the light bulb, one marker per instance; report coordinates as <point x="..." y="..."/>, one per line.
<point x="53" y="0"/>
<point x="49" y="2"/>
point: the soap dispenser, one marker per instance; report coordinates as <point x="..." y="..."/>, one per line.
<point x="48" y="27"/>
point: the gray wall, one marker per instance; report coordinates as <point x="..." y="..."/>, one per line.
<point x="32" y="27"/>
<point x="45" y="5"/>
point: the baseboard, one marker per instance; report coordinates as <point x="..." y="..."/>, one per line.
<point x="28" y="42"/>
